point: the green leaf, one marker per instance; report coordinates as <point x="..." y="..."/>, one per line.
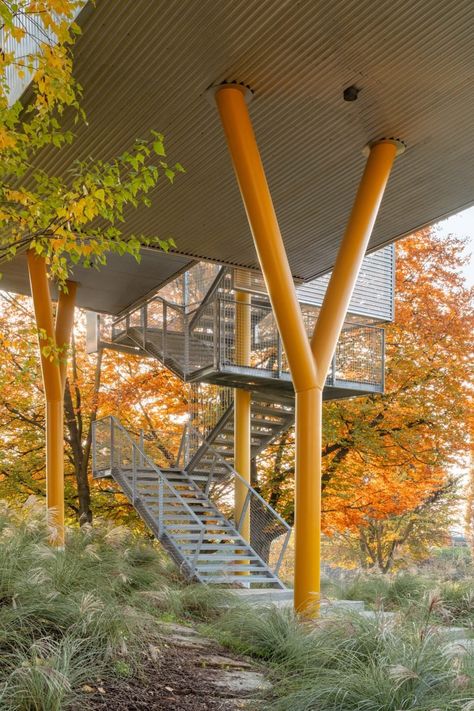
<point x="159" y="148"/>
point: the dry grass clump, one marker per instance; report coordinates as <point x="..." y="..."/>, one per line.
<point x="67" y="616"/>
<point x="351" y="662"/>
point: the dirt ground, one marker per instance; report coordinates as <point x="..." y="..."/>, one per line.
<point x="186" y="672"/>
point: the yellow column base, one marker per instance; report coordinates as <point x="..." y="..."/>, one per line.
<point x="242" y="404"/>
<point x="55" y="470"/>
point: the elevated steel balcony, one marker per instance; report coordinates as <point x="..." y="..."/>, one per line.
<point x="202" y="347"/>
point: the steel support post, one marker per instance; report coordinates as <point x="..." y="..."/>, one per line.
<point x="232" y="106"/>
<point x="352" y="251"/>
<point x="53" y="368"/>
<point x="308" y="372"/>
<point x="242" y="412"/>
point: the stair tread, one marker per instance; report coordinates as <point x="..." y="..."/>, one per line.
<point x="187" y="500"/>
<point x="209" y="528"/>
<point x="208" y="536"/>
<point x="228" y="557"/>
<point x="242" y="579"/>
<point x="232" y="568"/>
<point x="238" y="549"/>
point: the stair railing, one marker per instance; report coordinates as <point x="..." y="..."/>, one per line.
<point x="155" y="322"/>
<point x="213" y="289"/>
<point x="208" y="340"/>
<point x="266" y="525"/>
<point x="115" y="453"/>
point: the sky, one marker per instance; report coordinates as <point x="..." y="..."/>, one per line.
<point x="462" y="224"/>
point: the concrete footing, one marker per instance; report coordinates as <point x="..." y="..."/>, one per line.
<point x="284" y="598"/>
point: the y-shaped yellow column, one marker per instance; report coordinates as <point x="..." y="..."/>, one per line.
<point x="308" y="372"/>
<point x="53" y="368"/>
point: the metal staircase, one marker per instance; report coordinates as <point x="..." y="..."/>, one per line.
<point x="213" y="424"/>
<point x="190" y="508"/>
<point x="193" y="518"/>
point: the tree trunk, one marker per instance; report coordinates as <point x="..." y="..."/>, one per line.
<point x="74" y="441"/>
<point x="80" y="449"/>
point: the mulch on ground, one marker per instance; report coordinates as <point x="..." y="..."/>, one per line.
<point x="185" y="673"/>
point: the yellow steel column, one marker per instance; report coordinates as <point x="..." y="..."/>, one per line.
<point x="352" y="251"/>
<point x="346" y="270"/>
<point x="256" y="196"/>
<point x="242" y="412"/>
<point x="53" y="376"/>
<point x="308" y="372"/>
<point x="64" y="325"/>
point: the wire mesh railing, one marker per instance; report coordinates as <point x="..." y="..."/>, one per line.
<point x="359" y="356"/>
<point x="207" y="404"/>
<point x="209" y="339"/>
<point x="157" y="326"/>
<point x="269" y="532"/>
<point x="358" y="359"/>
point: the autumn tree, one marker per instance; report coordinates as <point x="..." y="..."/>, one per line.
<point x="388" y="459"/>
<point x="144" y="393"/>
<point x="70" y="218"/>
<point x="469" y="488"/>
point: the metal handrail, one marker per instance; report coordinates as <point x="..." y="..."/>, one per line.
<point x="167" y="307"/>
<point x="236" y="475"/>
<point x="114" y="422"/>
<point x="144" y="305"/>
<point x="206" y="447"/>
<point x="209" y="295"/>
<point x="219" y="336"/>
<point x="192" y="558"/>
<point x="229" y="299"/>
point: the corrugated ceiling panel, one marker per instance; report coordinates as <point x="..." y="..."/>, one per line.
<point x="147" y="65"/>
<point x="120" y="284"/>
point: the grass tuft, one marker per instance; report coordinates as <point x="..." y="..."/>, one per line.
<point x="350" y="662"/>
<point x="68" y="616"/>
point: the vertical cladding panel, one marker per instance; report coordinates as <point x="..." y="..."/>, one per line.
<point x="373" y="296"/>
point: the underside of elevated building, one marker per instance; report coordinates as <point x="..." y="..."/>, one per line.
<point x="313" y="136"/>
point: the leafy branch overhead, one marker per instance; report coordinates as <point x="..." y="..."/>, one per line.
<point x="76" y="217"/>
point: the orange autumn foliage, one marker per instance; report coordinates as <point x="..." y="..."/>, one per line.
<point x="391" y="455"/>
<point x="140" y="391"/>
